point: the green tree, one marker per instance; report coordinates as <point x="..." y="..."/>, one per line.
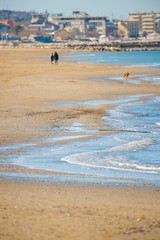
<point x="144" y="34"/>
<point x="17" y="29"/>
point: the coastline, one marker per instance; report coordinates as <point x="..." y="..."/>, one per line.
<point x="30" y="87"/>
<point x="52" y="210"/>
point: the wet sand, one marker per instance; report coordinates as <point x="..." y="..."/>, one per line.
<point x="29" y="85"/>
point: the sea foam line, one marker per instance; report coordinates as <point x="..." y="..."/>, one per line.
<point x="112" y="160"/>
<point x="132" y="146"/>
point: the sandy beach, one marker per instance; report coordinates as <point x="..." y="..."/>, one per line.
<point x="29" y="87"/>
<point x="52" y="211"/>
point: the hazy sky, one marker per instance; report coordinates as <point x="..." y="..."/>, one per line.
<point x="110" y="8"/>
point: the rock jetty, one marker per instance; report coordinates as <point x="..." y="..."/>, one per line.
<point x="144" y="45"/>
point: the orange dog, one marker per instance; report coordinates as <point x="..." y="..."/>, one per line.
<point x="126" y="75"/>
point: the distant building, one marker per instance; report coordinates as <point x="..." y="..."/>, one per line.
<point x="39" y="16"/>
<point x="61" y="35"/>
<point x="127" y="29"/>
<point x="111" y="30"/>
<point x="133" y="29"/>
<point x="147" y="21"/>
<point x="157" y="26"/>
<point x="4" y="30"/>
<point x="153" y="36"/>
<point x="81" y="21"/>
<point x="41" y="25"/>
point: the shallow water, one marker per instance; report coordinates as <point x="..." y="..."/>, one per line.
<point x="120" y="99"/>
<point x="137" y="148"/>
<point x="149" y="59"/>
<point x="132" y="155"/>
<point x="133" y="79"/>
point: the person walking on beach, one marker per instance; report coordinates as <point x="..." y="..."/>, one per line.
<point x="56" y="57"/>
<point x="52" y="58"/>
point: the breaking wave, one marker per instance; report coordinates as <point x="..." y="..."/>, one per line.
<point x="114" y="158"/>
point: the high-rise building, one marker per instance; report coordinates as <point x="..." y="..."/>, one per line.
<point x="147" y="21"/>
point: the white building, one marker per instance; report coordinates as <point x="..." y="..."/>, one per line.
<point x="153" y="36"/>
<point x="81" y="21"/>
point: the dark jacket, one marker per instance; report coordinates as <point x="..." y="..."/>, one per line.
<point x="56" y="57"/>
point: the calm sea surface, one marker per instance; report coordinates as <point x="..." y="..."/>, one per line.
<point x="130" y="156"/>
<point x="149" y="59"/>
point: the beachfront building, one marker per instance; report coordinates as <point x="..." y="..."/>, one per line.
<point x="41" y="27"/>
<point x="127" y="29"/>
<point x="61" y="35"/>
<point x="147" y="21"/>
<point x="39" y="16"/>
<point x="81" y="22"/>
<point x="153" y="36"/>
<point x="111" y="30"/>
<point x="4" y="30"/>
<point x="133" y="30"/>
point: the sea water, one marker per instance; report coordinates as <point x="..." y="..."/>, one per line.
<point x="133" y="79"/>
<point x="137" y="147"/>
<point x="149" y="59"/>
<point x="130" y="155"/>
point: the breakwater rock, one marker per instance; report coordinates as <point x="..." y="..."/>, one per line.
<point x="144" y="45"/>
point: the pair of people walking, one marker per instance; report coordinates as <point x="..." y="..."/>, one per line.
<point x="54" y="58"/>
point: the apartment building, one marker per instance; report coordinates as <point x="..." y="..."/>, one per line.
<point x="147" y="21"/>
<point x="81" y="21"/>
<point x="127" y="29"/>
<point x="40" y="25"/>
<point x="133" y="29"/>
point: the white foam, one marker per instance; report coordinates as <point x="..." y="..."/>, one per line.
<point x="133" y="146"/>
<point x="113" y="159"/>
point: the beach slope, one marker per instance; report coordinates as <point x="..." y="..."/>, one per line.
<point x="29" y="87"/>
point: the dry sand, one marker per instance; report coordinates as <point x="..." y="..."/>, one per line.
<point x="51" y="211"/>
<point x="29" y="85"/>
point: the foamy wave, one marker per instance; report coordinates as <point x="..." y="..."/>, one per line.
<point x="133" y="146"/>
<point x="113" y="159"/>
